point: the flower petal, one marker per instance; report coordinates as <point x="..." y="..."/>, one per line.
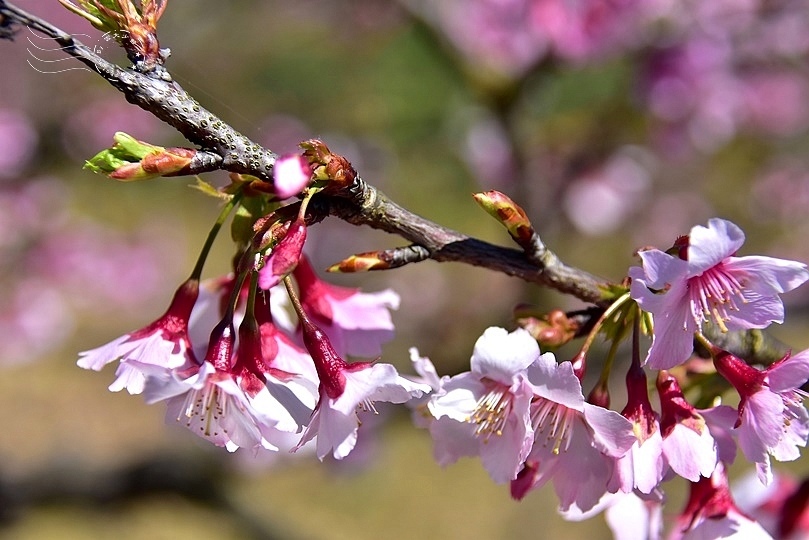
<point x="500" y="355"/>
<point x="708" y="246"/>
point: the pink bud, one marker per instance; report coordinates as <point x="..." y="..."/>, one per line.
<point x="284" y="256"/>
<point x="291" y="175"/>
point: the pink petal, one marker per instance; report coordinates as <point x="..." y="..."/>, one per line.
<point x="768" y="276"/>
<point x="710" y="246"/>
<point x="291" y="174"/>
<point x="500" y="355"/>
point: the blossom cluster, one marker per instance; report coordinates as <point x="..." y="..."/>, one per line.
<point x="254" y="387"/>
<point x="524" y="414"/>
<point x="231" y="362"/>
<point x="237" y="367"/>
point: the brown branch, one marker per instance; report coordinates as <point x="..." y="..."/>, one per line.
<point x="362" y="205"/>
<point x="163" y="98"/>
<point x="366" y="205"/>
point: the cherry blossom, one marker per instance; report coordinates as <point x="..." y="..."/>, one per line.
<point x="345" y="388"/>
<point x="688" y="444"/>
<point x="707" y="282"/>
<point x="164" y="344"/>
<point x="779" y="507"/>
<point x="427" y="374"/>
<point x="575" y="443"/>
<point x="218" y="400"/>
<point x="772" y="420"/>
<point x="356" y="323"/>
<point x="486" y="411"/>
<point x="631" y="517"/>
<point x="711" y="513"/>
<point x="643" y="466"/>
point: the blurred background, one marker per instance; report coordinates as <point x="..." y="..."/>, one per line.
<point x="614" y="124"/>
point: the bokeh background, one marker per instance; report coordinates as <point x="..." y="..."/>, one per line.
<point x="615" y="124"/>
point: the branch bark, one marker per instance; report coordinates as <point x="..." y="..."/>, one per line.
<point x="360" y="204"/>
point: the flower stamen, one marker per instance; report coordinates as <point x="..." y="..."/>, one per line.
<point x="554" y="419"/>
<point x="491" y="412"/>
<point x="714" y="295"/>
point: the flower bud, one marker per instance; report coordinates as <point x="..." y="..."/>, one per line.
<point x="291" y="174"/>
<point x="551" y="330"/>
<point x="328" y="166"/>
<point x="361" y="262"/>
<point x="284" y="256"/>
<point x="508" y="213"/>
<point x="130" y="159"/>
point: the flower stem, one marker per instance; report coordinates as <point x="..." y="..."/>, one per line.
<point x="206" y="248"/>
<point x="296" y="303"/>
<point x="604" y="316"/>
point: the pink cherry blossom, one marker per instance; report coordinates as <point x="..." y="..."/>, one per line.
<point x="630" y="517"/>
<point x="344" y="389"/>
<point x="220" y="401"/>
<point x="486" y="411"/>
<point x="707" y="282"/>
<point x="281" y="353"/>
<point x="427" y="374"/>
<point x="211" y="404"/>
<point x="779" y="507"/>
<point x="291" y="174"/>
<point x="356" y="323"/>
<point x="772" y="420"/>
<point x="688" y="444"/>
<point x="711" y="513"/>
<point x="257" y="372"/>
<point x="164" y="344"/>
<point x="643" y="466"/>
<point x="575" y="443"/>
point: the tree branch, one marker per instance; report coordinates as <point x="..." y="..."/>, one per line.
<point x="163" y="98"/>
<point x="359" y="204"/>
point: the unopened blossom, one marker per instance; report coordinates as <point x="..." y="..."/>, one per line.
<point x="576" y="443"/>
<point x="711" y="513"/>
<point x="772" y="420"/>
<point x="284" y="255"/>
<point x="163" y="344"/>
<point x="290" y="175"/>
<point x="344" y="390"/>
<point x="356" y="323"/>
<point x="705" y="281"/>
<point x="486" y="411"/>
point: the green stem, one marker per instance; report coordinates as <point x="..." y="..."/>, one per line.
<point x="206" y="248"/>
<point x="604" y="316"/>
<point x="250" y="314"/>
<point x="237" y="285"/>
